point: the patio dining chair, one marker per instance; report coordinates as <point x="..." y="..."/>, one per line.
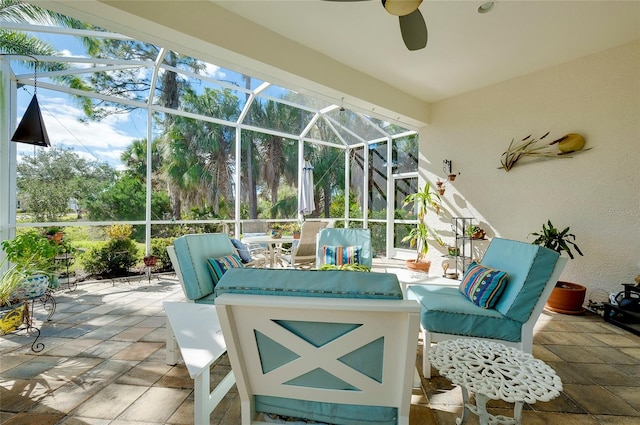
<point x="257" y="227"/>
<point x="356" y="240"/>
<point x="303" y="252"/>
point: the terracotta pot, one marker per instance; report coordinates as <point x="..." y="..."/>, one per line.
<point x="422" y="266"/>
<point x="150" y="261"/>
<point x="567" y="298"/>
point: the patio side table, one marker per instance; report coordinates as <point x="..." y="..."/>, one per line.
<point x="494" y="371"/>
<point x="195" y="330"/>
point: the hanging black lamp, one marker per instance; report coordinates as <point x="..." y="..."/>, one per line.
<point x="31" y="129"/>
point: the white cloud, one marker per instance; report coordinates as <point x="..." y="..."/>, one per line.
<point x="102" y="141"/>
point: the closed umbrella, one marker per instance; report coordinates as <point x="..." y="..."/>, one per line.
<point x="306" y="202"/>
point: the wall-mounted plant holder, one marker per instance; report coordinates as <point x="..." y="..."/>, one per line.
<point x="447" y="165"/>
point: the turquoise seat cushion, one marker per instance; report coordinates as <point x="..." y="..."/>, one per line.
<point x="310" y="283"/>
<point x="331" y="413"/>
<point x="529" y="268"/>
<point x="444" y="309"/>
<point x="192" y="252"/>
<point x="482" y="285"/>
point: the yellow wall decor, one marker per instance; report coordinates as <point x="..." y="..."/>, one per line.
<point x="533" y="148"/>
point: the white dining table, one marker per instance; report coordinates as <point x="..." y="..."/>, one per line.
<point x="273" y="244"/>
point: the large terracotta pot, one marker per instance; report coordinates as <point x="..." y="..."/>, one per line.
<point x="567" y="298"/>
<point x="422" y="266"/>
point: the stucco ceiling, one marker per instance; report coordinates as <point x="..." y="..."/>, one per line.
<point x="354" y="50"/>
<point x="466" y="50"/>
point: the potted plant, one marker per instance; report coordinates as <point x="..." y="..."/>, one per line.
<point x="12" y="311"/>
<point x="275" y="231"/>
<point x="295" y="228"/>
<point x="54" y="233"/>
<point x="418" y="237"/>
<point x="475" y="232"/>
<point x="566" y="297"/>
<point x="31" y="251"/>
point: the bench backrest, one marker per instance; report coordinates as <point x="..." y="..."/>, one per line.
<point x="319" y="345"/>
<point x="189" y="256"/>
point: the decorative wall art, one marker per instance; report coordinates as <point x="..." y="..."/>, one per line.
<point x="535" y="149"/>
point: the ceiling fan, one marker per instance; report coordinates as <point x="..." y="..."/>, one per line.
<point x="412" y="25"/>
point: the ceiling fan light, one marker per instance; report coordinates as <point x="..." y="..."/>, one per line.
<point x="401" y="7"/>
<point x="486" y="7"/>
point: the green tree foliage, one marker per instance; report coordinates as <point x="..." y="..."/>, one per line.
<point x="50" y="179"/>
<point x="125" y="199"/>
<point x="21" y="43"/>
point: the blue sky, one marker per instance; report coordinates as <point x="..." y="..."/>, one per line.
<point x="102" y="141"/>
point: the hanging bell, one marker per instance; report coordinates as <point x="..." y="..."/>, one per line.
<point x="31" y="129"/>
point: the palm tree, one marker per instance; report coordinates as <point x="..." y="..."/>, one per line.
<point x="275" y="152"/>
<point x="197" y="154"/>
<point x="21" y="43"/>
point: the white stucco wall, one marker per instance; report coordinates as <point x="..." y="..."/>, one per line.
<point x="596" y="193"/>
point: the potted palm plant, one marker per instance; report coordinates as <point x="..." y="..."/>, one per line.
<point x="422" y="201"/>
<point x="566" y="297"/>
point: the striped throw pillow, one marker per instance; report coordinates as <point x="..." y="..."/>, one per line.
<point x="218" y="266"/>
<point x="483" y="285"/>
<point x="339" y="255"/>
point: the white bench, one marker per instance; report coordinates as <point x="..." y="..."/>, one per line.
<point x="194" y="329"/>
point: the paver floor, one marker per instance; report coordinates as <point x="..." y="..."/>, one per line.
<point x="103" y="364"/>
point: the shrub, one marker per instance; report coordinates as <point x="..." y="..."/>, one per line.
<point x="159" y="249"/>
<point x="113" y="259"/>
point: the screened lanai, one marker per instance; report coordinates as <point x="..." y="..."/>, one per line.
<point x="171" y="144"/>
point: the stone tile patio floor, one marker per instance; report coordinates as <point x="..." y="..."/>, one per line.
<point x="103" y="364"/>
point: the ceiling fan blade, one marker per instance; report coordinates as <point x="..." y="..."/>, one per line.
<point x="414" y="30"/>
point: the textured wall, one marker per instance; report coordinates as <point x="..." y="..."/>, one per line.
<point x="596" y="193"/>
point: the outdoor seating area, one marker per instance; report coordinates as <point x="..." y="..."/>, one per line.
<point x="224" y="214"/>
<point x="104" y="363"/>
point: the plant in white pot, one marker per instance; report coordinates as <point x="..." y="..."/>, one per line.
<point x="422" y="201"/>
<point x="11" y="310"/>
<point x="566" y="297"/>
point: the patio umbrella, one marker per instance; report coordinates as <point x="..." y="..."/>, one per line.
<point x="306" y="203"/>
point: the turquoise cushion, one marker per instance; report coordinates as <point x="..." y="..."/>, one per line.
<point x="529" y="268"/>
<point x="482" y="285"/>
<point x="310" y="283"/>
<point x="444" y="309"/>
<point x="218" y="266"/>
<point x="192" y="252"/>
<point x="332" y="413"/>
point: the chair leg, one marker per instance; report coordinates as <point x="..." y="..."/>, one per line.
<point x="426" y="346"/>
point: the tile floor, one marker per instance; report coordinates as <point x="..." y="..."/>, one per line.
<point x="103" y="364"/>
